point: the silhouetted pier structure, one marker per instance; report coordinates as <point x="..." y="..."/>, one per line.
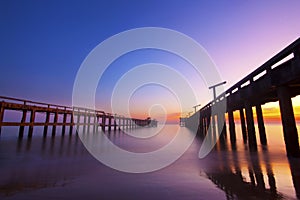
<point x="71" y="116"/>
<point x="243" y="175"/>
<point x="276" y="80"/>
<point x="182" y="121"/>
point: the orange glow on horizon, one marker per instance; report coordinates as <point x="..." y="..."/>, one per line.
<point x="271" y="113"/>
<point x="170" y="118"/>
<point x="173" y="117"/>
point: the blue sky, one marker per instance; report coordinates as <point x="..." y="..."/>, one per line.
<point x="43" y="43"/>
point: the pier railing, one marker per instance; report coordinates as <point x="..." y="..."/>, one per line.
<point x="290" y="52"/>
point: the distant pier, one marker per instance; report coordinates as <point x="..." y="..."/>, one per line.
<point x="71" y="116"/>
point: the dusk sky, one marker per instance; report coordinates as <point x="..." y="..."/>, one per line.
<point x="43" y="43"/>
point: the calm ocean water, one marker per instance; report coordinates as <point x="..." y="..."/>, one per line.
<point x="61" y="168"/>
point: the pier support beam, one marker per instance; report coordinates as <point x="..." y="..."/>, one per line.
<point x="71" y="124"/>
<point x="89" y="122"/>
<point x="243" y="126"/>
<point x="95" y="123"/>
<point x="54" y="123"/>
<point x="109" y="123"/>
<point x="221" y="124"/>
<point x="221" y="130"/>
<point x="78" y="121"/>
<point x="231" y="126"/>
<point x="64" y="123"/>
<point x="32" y="117"/>
<point x="295" y="168"/>
<point x="261" y="125"/>
<point x="103" y="122"/>
<point x="204" y="125"/>
<point x="1" y="115"/>
<point x="21" y="129"/>
<point x="200" y="127"/>
<point x="46" y="123"/>
<point x="213" y="124"/>
<point x="115" y="123"/>
<point x="250" y="127"/>
<point x="209" y="128"/>
<point x="288" y="122"/>
<point x="84" y="122"/>
<point x="123" y="123"/>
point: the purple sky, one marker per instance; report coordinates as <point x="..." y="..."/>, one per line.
<point x="43" y="43"/>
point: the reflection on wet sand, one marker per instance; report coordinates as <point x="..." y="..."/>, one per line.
<point x="295" y="171"/>
<point x="53" y="162"/>
<point x="43" y="163"/>
<point x="229" y="172"/>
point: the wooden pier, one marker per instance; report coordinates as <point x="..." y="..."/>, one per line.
<point x="182" y="121"/>
<point x="71" y="116"/>
<point x="276" y="80"/>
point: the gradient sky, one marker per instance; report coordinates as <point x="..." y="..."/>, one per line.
<point x="43" y="43"/>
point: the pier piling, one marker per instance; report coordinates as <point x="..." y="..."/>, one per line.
<point x="261" y="125"/>
<point x="288" y="122"/>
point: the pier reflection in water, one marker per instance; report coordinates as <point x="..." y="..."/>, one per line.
<point x="263" y="174"/>
<point x="61" y="168"/>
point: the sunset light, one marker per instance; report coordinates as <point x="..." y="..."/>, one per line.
<point x="149" y="100"/>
